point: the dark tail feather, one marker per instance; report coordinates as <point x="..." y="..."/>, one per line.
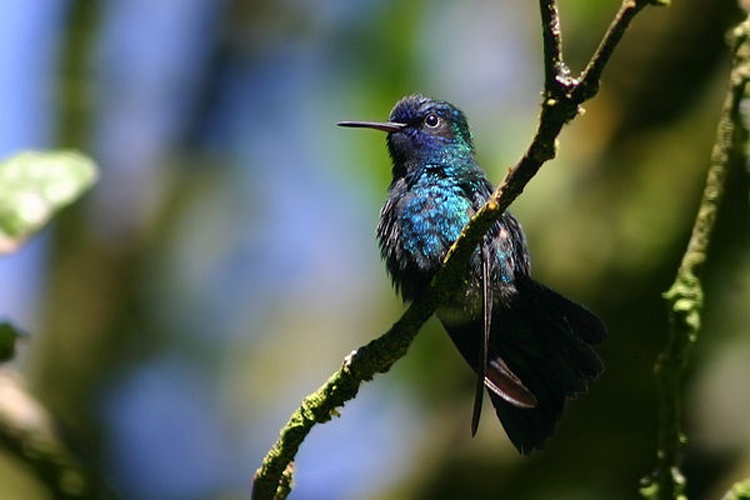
<point x="546" y="340"/>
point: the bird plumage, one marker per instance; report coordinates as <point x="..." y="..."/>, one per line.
<point x="530" y="346"/>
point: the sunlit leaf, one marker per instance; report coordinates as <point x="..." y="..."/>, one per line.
<point x="33" y="186"/>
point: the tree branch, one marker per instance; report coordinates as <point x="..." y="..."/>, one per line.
<point x="685" y="296"/>
<point x="562" y="99"/>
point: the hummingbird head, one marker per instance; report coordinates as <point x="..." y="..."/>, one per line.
<point x="423" y="131"/>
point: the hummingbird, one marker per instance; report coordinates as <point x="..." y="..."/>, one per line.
<point x="531" y="348"/>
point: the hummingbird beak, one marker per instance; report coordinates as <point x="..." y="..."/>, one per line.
<point x="384" y="126"/>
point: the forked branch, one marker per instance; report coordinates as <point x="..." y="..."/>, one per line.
<point x="563" y="97"/>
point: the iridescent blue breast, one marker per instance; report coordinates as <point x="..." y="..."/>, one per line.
<point x="431" y="217"/>
<point x="420" y="221"/>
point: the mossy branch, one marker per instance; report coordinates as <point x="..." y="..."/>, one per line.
<point x="685" y="296"/>
<point x="563" y="96"/>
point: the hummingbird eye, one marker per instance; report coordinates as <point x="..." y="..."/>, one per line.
<point x="432" y="120"/>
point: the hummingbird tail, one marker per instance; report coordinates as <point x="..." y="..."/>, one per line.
<point x="546" y="341"/>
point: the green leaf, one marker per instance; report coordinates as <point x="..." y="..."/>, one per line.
<point x="33" y="185"/>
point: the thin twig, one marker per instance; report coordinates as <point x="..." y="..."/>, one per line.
<point x="555" y="70"/>
<point x="560" y="105"/>
<point x="685" y="296"/>
<point x="590" y="76"/>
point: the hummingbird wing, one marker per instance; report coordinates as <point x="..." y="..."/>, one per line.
<point x="539" y="354"/>
<point x="546" y="340"/>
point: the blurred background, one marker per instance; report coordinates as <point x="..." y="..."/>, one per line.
<point x="226" y="262"/>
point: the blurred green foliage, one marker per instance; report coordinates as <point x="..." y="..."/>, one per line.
<point x="8" y="336"/>
<point x="740" y="491"/>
